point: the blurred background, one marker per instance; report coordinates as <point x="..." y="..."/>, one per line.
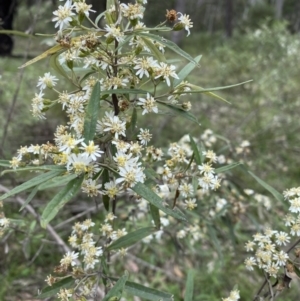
<point x="239" y="40"/>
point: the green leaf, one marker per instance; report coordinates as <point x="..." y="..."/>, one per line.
<point x="214" y="239"/>
<point x="57" y="181"/>
<point x="168" y="44"/>
<point x="133" y="120"/>
<point x="60" y="199"/>
<point x="180" y="112"/>
<point x="186" y="71"/>
<point x="146" y="293"/>
<point x="155" y="216"/>
<point x="55" y="64"/>
<point x="195" y="184"/>
<point x="117" y="288"/>
<point x="131" y="238"/>
<point x="30" y="197"/>
<point x="278" y="196"/>
<point x="105" y="198"/>
<point x="196" y="151"/>
<point x="33" y="168"/>
<point x="154" y="50"/>
<point x="5" y="163"/>
<point x="50" y="291"/>
<point x="91" y="114"/>
<point x="31" y="183"/>
<point x="227" y="167"/>
<point x="189" y="287"/>
<point x="149" y="195"/>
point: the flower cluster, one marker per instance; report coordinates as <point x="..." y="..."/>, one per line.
<point x="234" y="296"/>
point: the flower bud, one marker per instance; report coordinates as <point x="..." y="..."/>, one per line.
<point x="178" y="26"/>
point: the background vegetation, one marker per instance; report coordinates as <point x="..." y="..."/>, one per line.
<point x="264" y="45"/>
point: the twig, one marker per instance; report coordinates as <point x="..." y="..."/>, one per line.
<point x="76" y="216"/>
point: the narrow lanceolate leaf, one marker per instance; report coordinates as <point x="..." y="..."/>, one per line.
<point x="227" y="167"/>
<point x="91" y="114"/>
<point x="149" y="195"/>
<point x="16" y="33"/>
<point x="159" y="56"/>
<point x="5" y="163"/>
<point x="133" y="120"/>
<point x="180" y="112"/>
<point x="189" y="287"/>
<point x="31" y="183"/>
<point x="48" y="52"/>
<point x="155" y="216"/>
<point x="57" y="181"/>
<point x="146" y="293"/>
<point x="50" y="291"/>
<point x="182" y="75"/>
<point x="35" y="168"/>
<point x="278" y="196"/>
<point x="131" y="238"/>
<point x="117" y="289"/>
<point x="196" y="151"/>
<point x="54" y="63"/>
<point x="168" y="44"/>
<point x="30" y="197"/>
<point x="64" y="196"/>
<point x="105" y="198"/>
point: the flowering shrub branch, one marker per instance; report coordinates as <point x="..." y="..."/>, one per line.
<point x="117" y="73"/>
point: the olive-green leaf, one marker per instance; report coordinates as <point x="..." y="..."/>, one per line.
<point x="91" y="114"/>
<point x="197" y="155"/>
<point x="30" y="197"/>
<point x="189" y="287"/>
<point x="117" y="288"/>
<point x="227" y="167"/>
<point x="182" y="75"/>
<point x="50" y="291"/>
<point x="149" y="195"/>
<point x="57" y="181"/>
<point x="35" y="168"/>
<point x="180" y="112"/>
<point x="5" y="163"/>
<point x="168" y="44"/>
<point x="31" y="183"/>
<point x="59" y="200"/>
<point x="105" y="198"/>
<point x="146" y="293"/>
<point x="154" y="50"/>
<point x="155" y="216"/>
<point x="278" y="196"/>
<point x="131" y="238"/>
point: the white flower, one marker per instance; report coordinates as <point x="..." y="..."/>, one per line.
<point x="144" y="65"/>
<point x="114" y="125"/>
<point x="69" y="259"/>
<point x="63" y="15"/>
<point x="250" y="262"/>
<point x="282" y="238"/>
<point x="190" y="204"/>
<point x="111" y="189"/>
<point x="47" y="80"/>
<point x="79" y="163"/>
<point x="69" y="143"/>
<point x="186" y="189"/>
<point x="131" y="175"/>
<point x="114" y="32"/>
<point x="82" y="7"/>
<point x="148" y="104"/>
<point x="144" y="136"/>
<point x="281" y="258"/>
<point x="91" y="150"/>
<point x="166" y="71"/>
<point x="186" y="22"/>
